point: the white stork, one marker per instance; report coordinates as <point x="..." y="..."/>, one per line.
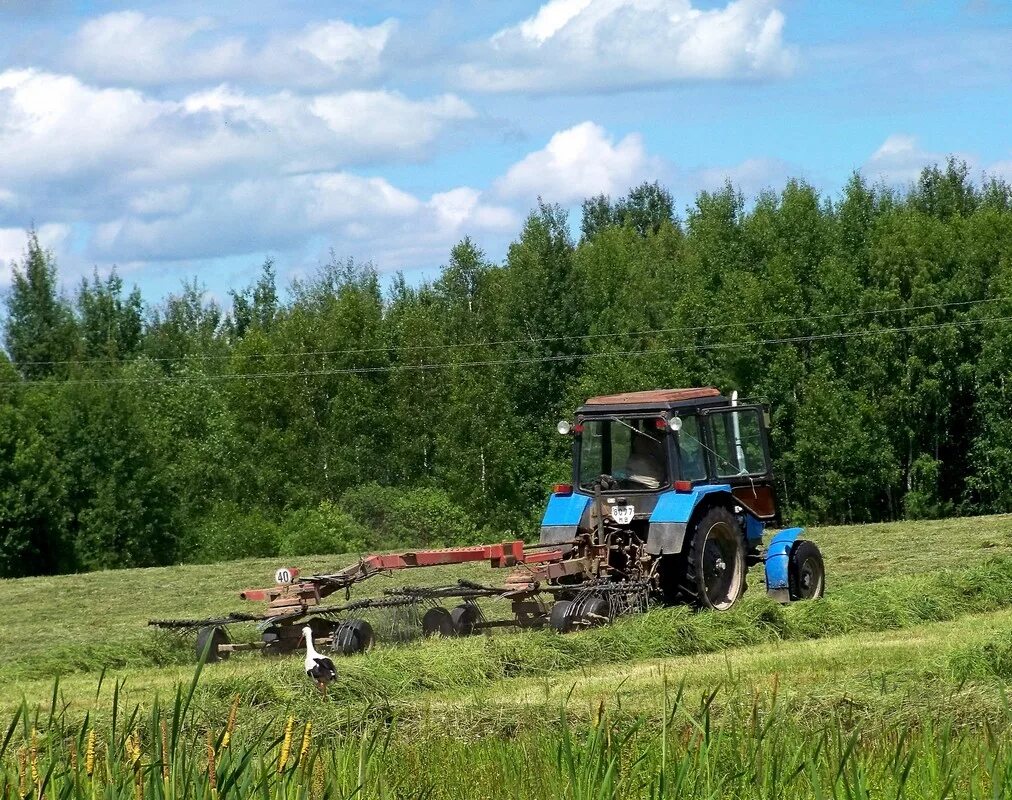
<point x="319" y="668"/>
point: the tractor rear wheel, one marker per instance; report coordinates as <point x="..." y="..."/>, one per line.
<point x="806" y="573"/>
<point x="715" y="566"/>
<point x="209" y="638"/>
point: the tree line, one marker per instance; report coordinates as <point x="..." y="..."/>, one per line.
<point x="334" y="415"/>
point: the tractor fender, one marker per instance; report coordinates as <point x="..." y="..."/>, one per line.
<point x="675" y="510"/>
<point x="778" y="556"/>
<point x="562" y="517"/>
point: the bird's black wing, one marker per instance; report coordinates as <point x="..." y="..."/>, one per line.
<point x="325" y="668"/>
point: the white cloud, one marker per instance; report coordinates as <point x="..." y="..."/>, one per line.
<point x="128" y="47"/>
<point x="364" y="214"/>
<point x="900" y="159"/>
<point x="63" y="130"/>
<point x="579" y="162"/>
<point x="1001" y="169"/>
<point x="13" y="242"/>
<point x="749" y="176"/>
<point x="221" y="171"/>
<point x="615" y="44"/>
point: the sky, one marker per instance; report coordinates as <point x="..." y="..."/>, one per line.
<point x="183" y="140"/>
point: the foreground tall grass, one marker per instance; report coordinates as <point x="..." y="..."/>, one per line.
<point x="751" y="749"/>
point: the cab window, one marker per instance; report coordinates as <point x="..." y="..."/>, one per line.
<point x="691" y="452"/>
<point x="737" y="443"/>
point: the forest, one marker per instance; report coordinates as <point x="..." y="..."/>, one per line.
<point x="347" y="412"/>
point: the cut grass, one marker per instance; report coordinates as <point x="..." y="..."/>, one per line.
<point x="91" y="621"/>
<point x="398" y="675"/>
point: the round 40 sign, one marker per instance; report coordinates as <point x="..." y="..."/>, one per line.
<point x="283" y="575"/>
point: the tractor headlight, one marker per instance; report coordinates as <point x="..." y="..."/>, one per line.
<point x="675" y="424"/>
<point x="564" y="427"/>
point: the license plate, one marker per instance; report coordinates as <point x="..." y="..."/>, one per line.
<point x="623" y="515"/>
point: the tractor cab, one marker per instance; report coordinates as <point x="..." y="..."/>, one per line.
<point x="650" y="441"/>
<point x="635" y="449"/>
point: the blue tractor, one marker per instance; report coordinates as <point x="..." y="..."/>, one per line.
<point x="671" y="489"/>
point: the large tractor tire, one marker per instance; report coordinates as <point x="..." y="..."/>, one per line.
<point x="714" y="563"/>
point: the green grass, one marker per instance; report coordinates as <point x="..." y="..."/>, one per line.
<point x="891" y="686"/>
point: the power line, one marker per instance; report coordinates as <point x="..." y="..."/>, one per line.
<point x="560" y="357"/>
<point x="530" y="340"/>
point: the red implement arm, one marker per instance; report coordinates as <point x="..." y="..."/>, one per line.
<point x="310" y="591"/>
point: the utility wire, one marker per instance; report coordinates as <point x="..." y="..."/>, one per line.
<point x="560" y="357"/>
<point x="531" y="340"/>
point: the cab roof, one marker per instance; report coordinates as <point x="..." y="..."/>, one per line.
<point x="654" y="400"/>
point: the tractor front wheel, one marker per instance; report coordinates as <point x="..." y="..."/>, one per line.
<point x="806" y="574"/>
<point x="715" y="566"/>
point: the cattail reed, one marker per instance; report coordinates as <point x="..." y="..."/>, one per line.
<point x="307" y="738"/>
<point x="89" y="753"/>
<point x="34" y="757"/>
<point x="165" y="750"/>
<point x="286" y="745"/>
<point x="212" y="764"/>
<point x="230" y="725"/>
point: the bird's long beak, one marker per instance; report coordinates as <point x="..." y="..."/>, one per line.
<point x="302" y="640"/>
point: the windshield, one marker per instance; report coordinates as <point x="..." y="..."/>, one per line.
<point x="629" y="449"/>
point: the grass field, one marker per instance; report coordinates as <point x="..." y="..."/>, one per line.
<point x="905" y="660"/>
